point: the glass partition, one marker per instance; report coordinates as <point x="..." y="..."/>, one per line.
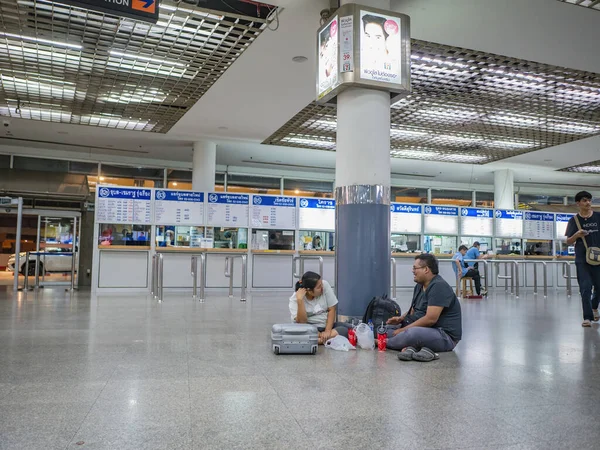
<point x="316" y="240"/>
<point x="226" y="237"/>
<point x="440" y="244"/>
<point x="123" y="234"/>
<point x="273" y="239"/>
<point x="533" y="247"/>
<point x="484" y="242"/>
<point x="405" y="243"/>
<point x="507" y="246"/>
<point x="179" y="236"/>
<point x="562" y="249"/>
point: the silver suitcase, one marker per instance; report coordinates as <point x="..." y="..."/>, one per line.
<point x="294" y="338"/>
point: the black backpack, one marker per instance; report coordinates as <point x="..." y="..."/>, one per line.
<point x="380" y="309"/>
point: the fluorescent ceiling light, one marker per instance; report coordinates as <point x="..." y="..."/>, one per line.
<point x="511" y="144"/>
<point x="34" y="87"/>
<point x="310" y="141"/>
<point x="515" y="120"/>
<point x="408" y="133"/>
<point x="415" y="153"/>
<point x="457" y="114"/>
<point x="566" y="127"/>
<point x="41" y="41"/>
<point x="41" y="56"/>
<point x="466" y="158"/>
<point x="440" y="61"/>
<point x="327" y="123"/>
<point x="145" y="58"/>
<point x="137" y="96"/>
<point x="591" y="169"/>
<point x="459" y="139"/>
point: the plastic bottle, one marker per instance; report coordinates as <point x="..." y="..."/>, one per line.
<point x="382" y="337"/>
<point x="352" y="337"/>
<point x="370" y="324"/>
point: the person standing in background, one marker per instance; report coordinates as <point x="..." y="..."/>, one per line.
<point x="585" y="225"/>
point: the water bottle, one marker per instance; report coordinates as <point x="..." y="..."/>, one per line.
<point x="382" y="338"/>
<point x="370" y="324"/>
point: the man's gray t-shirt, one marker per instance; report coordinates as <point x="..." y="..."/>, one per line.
<point x="419" y="304"/>
<point x="439" y="293"/>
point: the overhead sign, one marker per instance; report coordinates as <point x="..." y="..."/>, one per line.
<point x="405" y="218"/>
<point x="441" y="220"/>
<point x="509" y="223"/>
<point x="144" y="10"/>
<point x="273" y="212"/>
<point x="123" y="205"/>
<point x="476" y="222"/>
<point x="562" y="221"/>
<point x="538" y="225"/>
<point x="317" y="214"/>
<point x="179" y="207"/>
<point x="227" y="210"/>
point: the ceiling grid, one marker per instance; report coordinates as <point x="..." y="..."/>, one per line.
<point x="471" y="107"/>
<point x="66" y="64"/>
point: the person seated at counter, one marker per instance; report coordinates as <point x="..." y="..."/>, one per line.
<point x="440" y="329"/>
<point x="316" y="243"/>
<point x="473" y="272"/>
<point x="459" y="266"/>
<point x="314" y="302"/>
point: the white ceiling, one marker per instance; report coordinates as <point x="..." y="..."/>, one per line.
<point x="264" y="89"/>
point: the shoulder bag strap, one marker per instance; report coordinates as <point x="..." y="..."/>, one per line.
<point x="579" y="226"/>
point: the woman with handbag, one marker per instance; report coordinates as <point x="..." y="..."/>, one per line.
<point x="583" y="229"/>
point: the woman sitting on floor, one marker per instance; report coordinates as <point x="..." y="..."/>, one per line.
<point x="315" y="303"/>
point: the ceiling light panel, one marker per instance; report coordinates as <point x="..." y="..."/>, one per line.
<point x="591" y="167"/>
<point x="471" y="107"/>
<point x="592" y="4"/>
<point x="79" y="65"/>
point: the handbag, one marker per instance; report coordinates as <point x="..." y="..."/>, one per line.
<point x="592" y="254"/>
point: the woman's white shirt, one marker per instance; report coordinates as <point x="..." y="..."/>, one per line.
<point x="316" y="309"/>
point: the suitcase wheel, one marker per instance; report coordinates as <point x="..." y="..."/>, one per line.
<point x="314" y="351"/>
<point x="276" y="350"/>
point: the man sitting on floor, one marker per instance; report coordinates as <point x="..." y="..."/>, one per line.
<point x="440" y="329"/>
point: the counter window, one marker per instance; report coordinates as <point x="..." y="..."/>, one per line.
<point x="485" y="243"/>
<point x="316" y="240"/>
<point x="179" y="236"/>
<point x="508" y="247"/>
<point x="534" y="247"/>
<point x="439" y="245"/>
<point x="562" y="249"/>
<point x="273" y="239"/>
<point x="124" y="234"/>
<point x="403" y="243"/>
<point x="226" y="237"/>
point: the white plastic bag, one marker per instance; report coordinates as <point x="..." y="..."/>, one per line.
<point x="339" y="343"/>
<point x="364" y="336"/>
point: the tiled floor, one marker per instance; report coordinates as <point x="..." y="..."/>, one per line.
<point x="118" y="372"/>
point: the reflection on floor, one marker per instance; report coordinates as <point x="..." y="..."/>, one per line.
<point x="118" y="372"/>
<point x="7" y="278"/>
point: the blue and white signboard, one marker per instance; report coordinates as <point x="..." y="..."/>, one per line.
<point x="538" y="225"/>
<point x="227" y="210"/>
<point x="441" y="220"/>
<point x="178" y="207"/>
<point x="509" y="223"/>
<point x="405" y="218"/>
<point x="317" y="214"/>
<point x="476" y="222"/>
<point x="123" y="205"/>
<point x="561" y="225"/>
<point x="273" y="212"/>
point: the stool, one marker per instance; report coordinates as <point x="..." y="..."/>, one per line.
<point x="467" y="292"/>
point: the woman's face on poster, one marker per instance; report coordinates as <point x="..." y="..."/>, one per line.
<point x="375" y="38"/>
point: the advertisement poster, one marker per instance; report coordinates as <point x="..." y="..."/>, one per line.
<point x="347" y="43"/>
<point x="328" y="58"/>
<point x="380" y="48"/>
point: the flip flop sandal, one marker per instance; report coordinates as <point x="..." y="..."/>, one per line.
<point x="425" y="355"/>
<point x="407" y="354"/>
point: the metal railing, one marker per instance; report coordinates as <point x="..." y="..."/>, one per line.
<point x="566" y="273"/>
<point x="301" y="259"/>
<point x="535" y="277"/>
<point x="202" y="272"/>
<point x="513" y="277"/>
<point x="229" y="260"/>
<point x="157" y="276"/>
<point x="394" y="279"/>
<point x="37" y="255"/>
